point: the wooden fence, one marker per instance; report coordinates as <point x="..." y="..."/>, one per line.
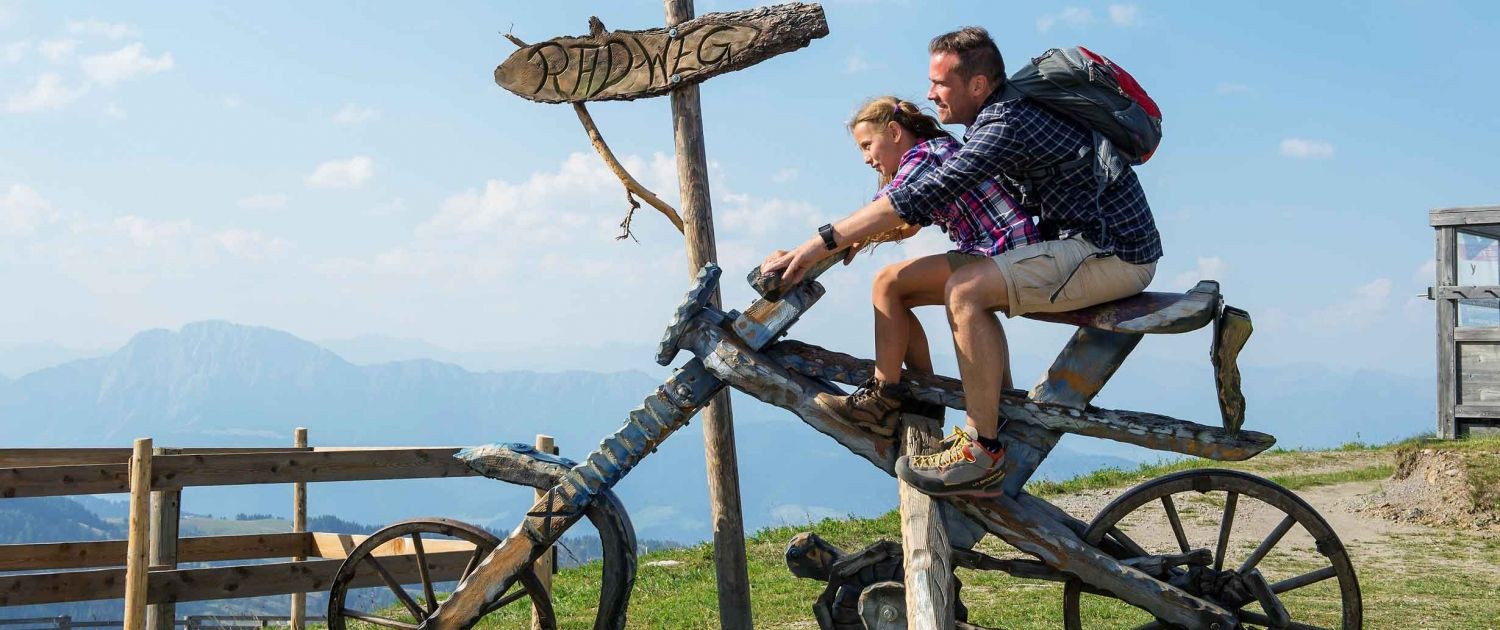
<point x="143" y="569"/>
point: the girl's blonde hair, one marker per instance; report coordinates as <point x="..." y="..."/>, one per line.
<point x="882" y="110"/>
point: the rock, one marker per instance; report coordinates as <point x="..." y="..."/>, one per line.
<point x="663" y="563"/>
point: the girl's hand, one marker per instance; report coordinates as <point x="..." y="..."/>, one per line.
<point x="854" y="249"/>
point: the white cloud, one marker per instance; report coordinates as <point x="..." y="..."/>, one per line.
<point x="350" y="173"/>
<point x="270" y="201"/>
<point x="1211" y="268"/>
<point x="1069" y="16"/>
<point x="113" y="111"/>
<point x="250" y="245"/>
<point x="1304" y="149"/>
<point x="857" y="63"/>
<point x="354" y="115"/>
<point x="48" y="92"/>
<point x="98" y="28"/>
<point x="1426" y="273"/>
<point x="124" y="64"/>
<point x="232" y="102"/>
<point x="23" y="210"/>
<point x="785" y="175"/>
<point x="58" y="50"/>
<point x="1231" y="88"/>
<point x="14" y="52"/>
<point x="1124" y="15"/>
<point x="1365" y="304"/>
<point x="148" y="233"/>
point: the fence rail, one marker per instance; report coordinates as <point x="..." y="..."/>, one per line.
<point x="144" y="568"/>
<point x="192" y="622"/>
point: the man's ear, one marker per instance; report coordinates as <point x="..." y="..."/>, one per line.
<point x="979" y="85"/>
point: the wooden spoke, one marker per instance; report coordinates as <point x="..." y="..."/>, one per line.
<point x="1171" y="508"/>
<point x="1305" y="579"/>
<point x="479" y="554"/>
<point x="1262" y="620"/>
<point x="401" y="594"/>
<point x="377" y="620"/>
<point x="1126" y="542"/>
<point x="1270" y="541"/>
<point x="416" y="546"/>
<point x="1225" y="525"/>
<point x="510" y="597"/>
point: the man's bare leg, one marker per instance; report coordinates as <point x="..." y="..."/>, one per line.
<point x="973" y="293"/>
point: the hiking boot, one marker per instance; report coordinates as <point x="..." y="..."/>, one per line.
<point x="961" y="466"/>
<point x="874" y="406"/>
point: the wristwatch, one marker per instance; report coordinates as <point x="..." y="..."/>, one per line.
<point x="827" y="233"/>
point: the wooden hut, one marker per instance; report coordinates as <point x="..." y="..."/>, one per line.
<point x="1467" y="293"/>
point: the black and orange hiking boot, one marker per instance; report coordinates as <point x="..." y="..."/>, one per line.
<point x="961" y="466"/>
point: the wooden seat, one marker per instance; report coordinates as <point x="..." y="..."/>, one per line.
<point x="1158" y="313"/>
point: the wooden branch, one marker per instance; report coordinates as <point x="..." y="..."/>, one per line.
<point x="631" y="185"/>
<point x="1142" y="429"/>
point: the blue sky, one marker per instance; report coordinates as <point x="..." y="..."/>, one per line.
<point x="343" y="169"/>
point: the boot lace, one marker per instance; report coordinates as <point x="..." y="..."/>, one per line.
<point x="946" y="457"/>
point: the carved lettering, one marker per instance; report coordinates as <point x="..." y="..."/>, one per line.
<point x="624" y="65"/>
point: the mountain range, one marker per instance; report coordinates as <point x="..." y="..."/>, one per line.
<point x="223" y="384"/>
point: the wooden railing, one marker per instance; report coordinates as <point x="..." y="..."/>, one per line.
<point x="143" y="569"/>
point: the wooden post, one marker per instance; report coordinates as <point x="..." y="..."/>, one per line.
<point x="299" y="524"/>
<point x="138" y="545"/>
<point x="1447" y="318"/>
<point x="925" y="549"/>
<point x="547" y="563"/>
<point x="166" y="508"/>
<point x="718" y="421"/>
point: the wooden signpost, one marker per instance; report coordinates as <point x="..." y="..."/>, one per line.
<point x="625" y="65"/>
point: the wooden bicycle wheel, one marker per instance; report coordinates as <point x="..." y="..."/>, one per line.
<point x="1235" y="539"/>
<point x="441" y="550"/>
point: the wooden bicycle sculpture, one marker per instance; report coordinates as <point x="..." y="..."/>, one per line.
<point x="1112" y="578"/>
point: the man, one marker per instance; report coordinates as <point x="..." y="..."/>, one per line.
<point x="1106" y="246"/>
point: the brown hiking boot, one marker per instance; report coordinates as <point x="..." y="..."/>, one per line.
<point x="874" y="406"/>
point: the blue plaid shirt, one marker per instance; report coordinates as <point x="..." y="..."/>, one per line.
<point x="1012" y="136"/>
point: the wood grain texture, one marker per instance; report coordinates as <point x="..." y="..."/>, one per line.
<point x="544" y="565"/>
<point x="925" y="550"/>
<point x="1149" y="312"/>
<point x="138" y="544"/>
<point x="166" y="507"/>
<point x="297" y="612"/>
<point x="1447" y="319"/>
<point x="1471" y="215"/>
<point x="626" y="65"/>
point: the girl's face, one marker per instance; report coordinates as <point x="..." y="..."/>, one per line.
<point x="882" y="146"/>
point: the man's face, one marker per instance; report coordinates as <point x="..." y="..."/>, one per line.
<point x="957" y="100"/>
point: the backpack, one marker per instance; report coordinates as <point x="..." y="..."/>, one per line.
<point x="1089" y="89"/>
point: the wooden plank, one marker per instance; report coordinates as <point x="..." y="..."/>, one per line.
<point x="111" y="553"/>
<point x="56" y="481"/>
<point x="138" y="545"/>
<point x="1162" y="313"/>
<point x="1477" y="411"/>
<point x="1476" y="333"/>
<point x="231" y="582"/>
<point x="1464" y="215"/>
<point x="298" y="609"/>
<point x="1481" y="292"/>
<point x="22" y="457"/>
<point x="326" y="545"/>
<point x="1447" y="319"/>
<point x="925" y="549"/>
<point x="1478" y="373"/>
<point x="166" y="507"/>
<point x="626" y="65"/>
<point x="177" y="471"/>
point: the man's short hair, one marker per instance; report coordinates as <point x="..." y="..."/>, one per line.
<point x="977" y="53"/>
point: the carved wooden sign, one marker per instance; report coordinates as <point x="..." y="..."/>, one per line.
<point x="626" y="65"/>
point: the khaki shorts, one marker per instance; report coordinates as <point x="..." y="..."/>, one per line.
<point x="1035" y="272"/>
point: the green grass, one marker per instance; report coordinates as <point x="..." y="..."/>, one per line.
<point x="1440" y="578"/>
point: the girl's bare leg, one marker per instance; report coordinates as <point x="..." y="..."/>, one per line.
<point x="899" y="288"/>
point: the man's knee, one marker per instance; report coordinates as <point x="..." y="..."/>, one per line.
<point x="975" y="289"/>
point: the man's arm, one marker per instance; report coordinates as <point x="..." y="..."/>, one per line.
<point x="993" y="148"/>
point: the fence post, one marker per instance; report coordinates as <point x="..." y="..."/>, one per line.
<point x="137" y="544"/>
<point x="299" y="524"/>
<point x="547" y="563"/>
<point x="925" y="550"/>
<point x="166" y="508"/>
